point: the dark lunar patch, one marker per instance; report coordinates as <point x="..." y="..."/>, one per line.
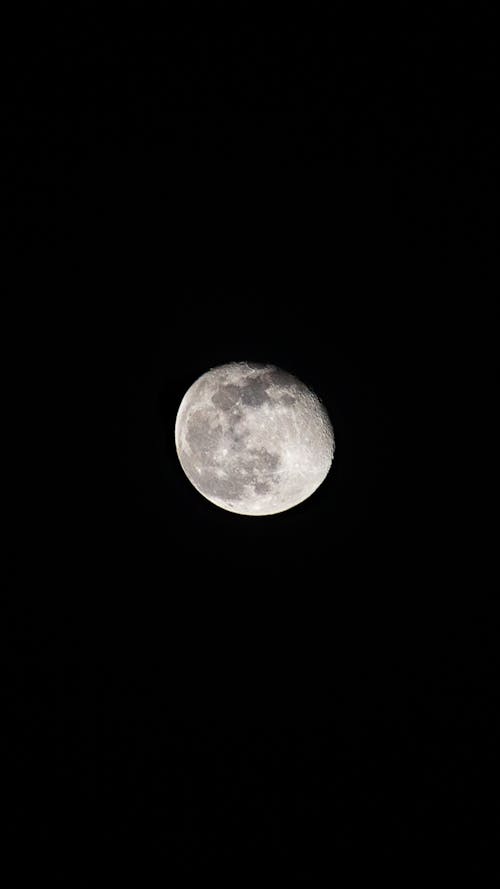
<point x="262" y="488"/>
<point x="287" y="399"/>
<point x="254" y="393"/>
<point x="262" y="459"/>
<point x="226" y="396"/>
<point x="237" y="428"/>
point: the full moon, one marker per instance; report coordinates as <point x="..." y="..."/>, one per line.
<point x="253" y="439"/>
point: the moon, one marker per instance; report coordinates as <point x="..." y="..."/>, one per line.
<point x="253" y="439"/>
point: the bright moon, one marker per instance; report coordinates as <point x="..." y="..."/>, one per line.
<point x="253" y="439"/>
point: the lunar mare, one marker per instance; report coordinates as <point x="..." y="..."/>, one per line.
<point x="253" y="439"/>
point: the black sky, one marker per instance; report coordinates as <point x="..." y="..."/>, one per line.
<point x="301" y="699"/>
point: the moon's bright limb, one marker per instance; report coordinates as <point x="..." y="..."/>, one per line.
<point x="253" y="439"/>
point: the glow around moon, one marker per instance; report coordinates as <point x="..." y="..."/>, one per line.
<point x="253" y="439"/>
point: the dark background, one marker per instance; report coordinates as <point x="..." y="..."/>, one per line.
<point x="303" y="698"/>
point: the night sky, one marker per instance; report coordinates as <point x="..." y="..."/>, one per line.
<point x="298" y="699"/>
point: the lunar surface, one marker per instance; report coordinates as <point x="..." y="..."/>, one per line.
<point x="253" y="439"/>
